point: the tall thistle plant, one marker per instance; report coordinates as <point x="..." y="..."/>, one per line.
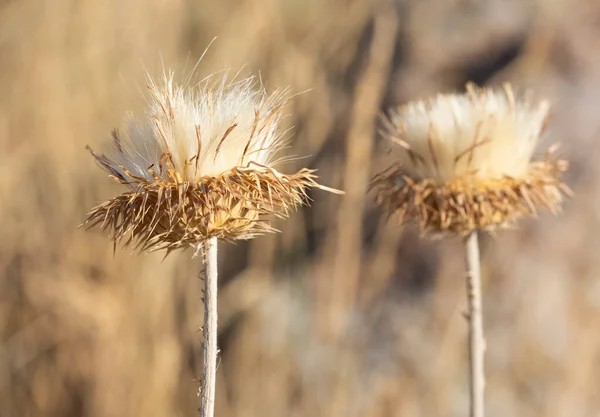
<point x="198" y="167"/>
<point x="465" y="167"/>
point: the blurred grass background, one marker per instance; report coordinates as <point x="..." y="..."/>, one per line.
<point x="341" y="314"/>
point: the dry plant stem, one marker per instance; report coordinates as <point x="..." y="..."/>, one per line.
<point x="369" y="94"/>
<point x="209" y="347"/>
<point x="474" y="316"/>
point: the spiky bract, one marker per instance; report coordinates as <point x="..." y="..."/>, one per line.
<point x="464" y="204"/>
<point x="167" y="214"/>
<point x="466" y="163"/>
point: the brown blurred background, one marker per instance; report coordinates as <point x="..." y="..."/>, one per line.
<point x="338" y="315"/>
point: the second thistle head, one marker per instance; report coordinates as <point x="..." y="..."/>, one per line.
<point x="200" y="163"/>
<point x="466" y="162"/>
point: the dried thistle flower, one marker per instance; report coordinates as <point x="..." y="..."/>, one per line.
<point x="198" y="165"/>
<point x="466" y="162"/>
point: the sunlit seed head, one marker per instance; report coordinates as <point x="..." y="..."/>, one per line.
<point x="201" y="131"/>
<point x="199" y="164"/>
<point x="466" y="164"/>
<point x="486" y="133"/>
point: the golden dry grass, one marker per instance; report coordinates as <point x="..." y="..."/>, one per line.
<point x="339" y="314"/>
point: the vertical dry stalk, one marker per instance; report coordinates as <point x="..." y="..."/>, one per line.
<point x="209" y="331"/>
<point x="474" y="317"/>
<point x="345" y="280"/>
<point x="369" y="93"/>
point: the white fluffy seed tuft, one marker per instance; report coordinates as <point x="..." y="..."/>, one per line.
<point x="485" y="133"/>
<point x="201" y="131"/>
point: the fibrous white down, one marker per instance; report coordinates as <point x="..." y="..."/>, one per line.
<point x="484" y="132"/>
<point x="206" y="129"/>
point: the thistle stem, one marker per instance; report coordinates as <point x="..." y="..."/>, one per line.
<point x="474" y="317"/>
<point x="209" y="330"/>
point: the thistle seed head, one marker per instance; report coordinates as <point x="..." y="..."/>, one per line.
<point x="466" y="162"/>
<point x="199" y="164"/>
